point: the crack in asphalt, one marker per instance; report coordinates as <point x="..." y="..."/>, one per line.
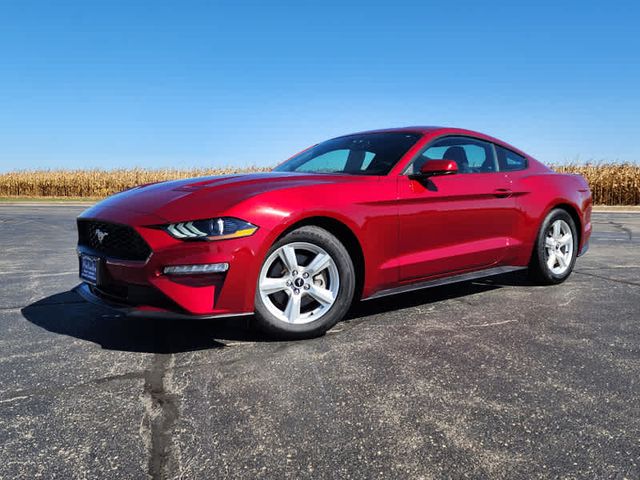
<point x="138" y="374"/>
<point x="621" y="227"/>
<point x="481" y="325"/>
<point x="22" y="394"/>
<point x="608" y="267"/>
<point x="161" y="412"/>
<point x="617" y="280"/>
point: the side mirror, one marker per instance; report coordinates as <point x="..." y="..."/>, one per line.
<point x="435" y="168"/>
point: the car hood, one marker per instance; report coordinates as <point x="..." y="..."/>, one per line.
<point x="180" y="200"/>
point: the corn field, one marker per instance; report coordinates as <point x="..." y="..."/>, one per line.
<point x="94" y="183"/>
<point x="611" y="183"/>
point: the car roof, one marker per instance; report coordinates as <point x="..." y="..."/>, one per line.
<point x="400" y="130"/>
<point x="437" y="131"/>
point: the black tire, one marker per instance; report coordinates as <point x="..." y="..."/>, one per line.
<point x="272" y="325"/>
<point x="539" y="270"/>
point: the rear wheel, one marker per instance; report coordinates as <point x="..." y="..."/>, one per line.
<point x="306" y="284"/>
<point x="556" y="249"/>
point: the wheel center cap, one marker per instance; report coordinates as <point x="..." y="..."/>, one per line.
<point x="298" y="282"/>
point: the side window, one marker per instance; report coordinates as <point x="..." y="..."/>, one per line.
<point x="477" y="158"/>
<point x="471" y="155"/>
<point x="366" y="161"/>
<point x="510" y="161"/>
<point x="333" y="161"/>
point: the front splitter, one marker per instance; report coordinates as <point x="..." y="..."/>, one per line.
<point x="85" y="292"/>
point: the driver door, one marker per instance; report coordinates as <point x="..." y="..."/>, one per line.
<point x="454" y="223"/>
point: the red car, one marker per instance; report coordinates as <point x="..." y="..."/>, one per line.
<point x="356" y="217"/>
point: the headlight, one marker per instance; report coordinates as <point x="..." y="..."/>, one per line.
<point x="212" y="229"/>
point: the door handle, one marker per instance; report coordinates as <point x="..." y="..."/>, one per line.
<point x="502" y="192"/>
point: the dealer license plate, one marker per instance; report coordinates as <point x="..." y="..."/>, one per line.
<point x="89" y="269"/>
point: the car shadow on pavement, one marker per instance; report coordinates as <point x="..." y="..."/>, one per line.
<point x="68" y="314"/>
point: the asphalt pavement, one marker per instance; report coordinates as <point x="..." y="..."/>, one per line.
<point x="491" y="379"/>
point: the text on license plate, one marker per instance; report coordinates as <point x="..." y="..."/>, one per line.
<point x="89" y="268"/>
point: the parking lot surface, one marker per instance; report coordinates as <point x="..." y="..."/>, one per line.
<point x="491" y="379"/>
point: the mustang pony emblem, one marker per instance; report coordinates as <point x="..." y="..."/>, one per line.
<point x="100" y="234"/>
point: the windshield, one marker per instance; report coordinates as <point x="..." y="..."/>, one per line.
<point x="366" y="154"/>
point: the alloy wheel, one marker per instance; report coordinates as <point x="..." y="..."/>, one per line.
<point x="559" y="247"/>
<point x="299" y="282"/>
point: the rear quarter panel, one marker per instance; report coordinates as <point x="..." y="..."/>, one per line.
<point x="539" y="192"/>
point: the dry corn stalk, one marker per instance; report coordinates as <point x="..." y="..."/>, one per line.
<point x="611" y="183"/>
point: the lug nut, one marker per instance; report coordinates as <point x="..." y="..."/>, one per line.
<point x="296" y="291"/>
<point x="295" y="272"/>
<point x="289" y="283"/>
<point x="305" y="275"/>
<point x="307" y="286"/>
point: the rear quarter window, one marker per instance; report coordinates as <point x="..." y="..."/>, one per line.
<point x="509" y="161"/>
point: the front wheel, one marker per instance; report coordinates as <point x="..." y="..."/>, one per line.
<point x="556" y="249"/>
<point x="306" y="284"/>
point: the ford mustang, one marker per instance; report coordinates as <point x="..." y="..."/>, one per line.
<point x="353" y="218"/>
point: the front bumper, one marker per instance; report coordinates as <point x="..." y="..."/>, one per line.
<point x="89" y="293"/>
<point x="584" y="249"/>
<point x="140" y="288"/>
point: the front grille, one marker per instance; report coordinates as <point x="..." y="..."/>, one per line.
<point x="112" y="240"/>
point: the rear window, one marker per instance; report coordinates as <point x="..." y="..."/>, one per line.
<point x="509" y="161"/>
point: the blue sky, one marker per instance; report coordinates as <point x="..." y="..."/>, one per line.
<point x="207" y="83"/>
